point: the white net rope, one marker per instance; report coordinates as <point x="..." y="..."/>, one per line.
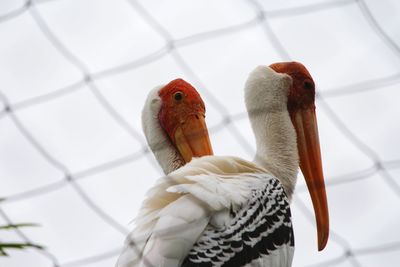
<point x="262" y="18"/>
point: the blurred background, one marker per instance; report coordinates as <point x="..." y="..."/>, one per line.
<point x="74" y="75"/>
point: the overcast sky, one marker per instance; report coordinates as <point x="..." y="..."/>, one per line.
<point x="74" y="75"/>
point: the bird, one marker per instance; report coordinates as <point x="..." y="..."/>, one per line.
<point x="173" y="122"/>
<point x="227" y="211"/>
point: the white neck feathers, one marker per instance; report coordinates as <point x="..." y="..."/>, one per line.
<point x="266" y="101"/>
<point x="165" y="153"/>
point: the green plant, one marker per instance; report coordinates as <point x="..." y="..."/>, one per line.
<point x="15" y="245"/>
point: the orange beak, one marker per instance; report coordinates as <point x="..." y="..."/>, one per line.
<point x="191" y="138"/>
<point x="305" y="123"/>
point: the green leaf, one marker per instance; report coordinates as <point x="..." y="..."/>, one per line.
<point x="18" y="246"/>
<point x="3" y="253"/>
<point x="18" y="225"/>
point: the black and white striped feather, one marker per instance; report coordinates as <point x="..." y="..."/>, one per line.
<point x="259" y="230"/>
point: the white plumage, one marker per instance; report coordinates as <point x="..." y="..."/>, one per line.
<point x="167" y="156"/>
<point x="198" y="205"/>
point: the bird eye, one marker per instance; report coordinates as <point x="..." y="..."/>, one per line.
<point x="308" y="85"/>
<point x="178" y="96"/>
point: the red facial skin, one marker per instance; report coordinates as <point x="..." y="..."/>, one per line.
<point x="302" y="93"/>
<point x="174" y="110"/>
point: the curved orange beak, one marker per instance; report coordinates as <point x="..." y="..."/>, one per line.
<point x="191" y="137"/>
<point x="305" y="123"/>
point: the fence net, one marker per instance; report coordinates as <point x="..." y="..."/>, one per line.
<point x="74" y="76"/>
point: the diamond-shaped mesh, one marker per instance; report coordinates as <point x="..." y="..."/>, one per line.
<point x="97" y="98"/>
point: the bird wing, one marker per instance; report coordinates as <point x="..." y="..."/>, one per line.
<point x="259" y="234"/>
<point x="179" y="207"/>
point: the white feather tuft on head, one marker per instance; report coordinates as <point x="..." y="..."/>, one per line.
<point x="166" y="154"/>
<point x="266" y="90"/>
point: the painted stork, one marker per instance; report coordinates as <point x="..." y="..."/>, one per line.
<point x="225" y="211"/>
<point x="173" y="121"/>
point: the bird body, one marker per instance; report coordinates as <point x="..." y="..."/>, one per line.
<point x="214" y="211"/>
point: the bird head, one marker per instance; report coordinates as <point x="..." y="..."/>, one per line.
<point x="301" y="107"/>
<point x="182" y="116"/>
